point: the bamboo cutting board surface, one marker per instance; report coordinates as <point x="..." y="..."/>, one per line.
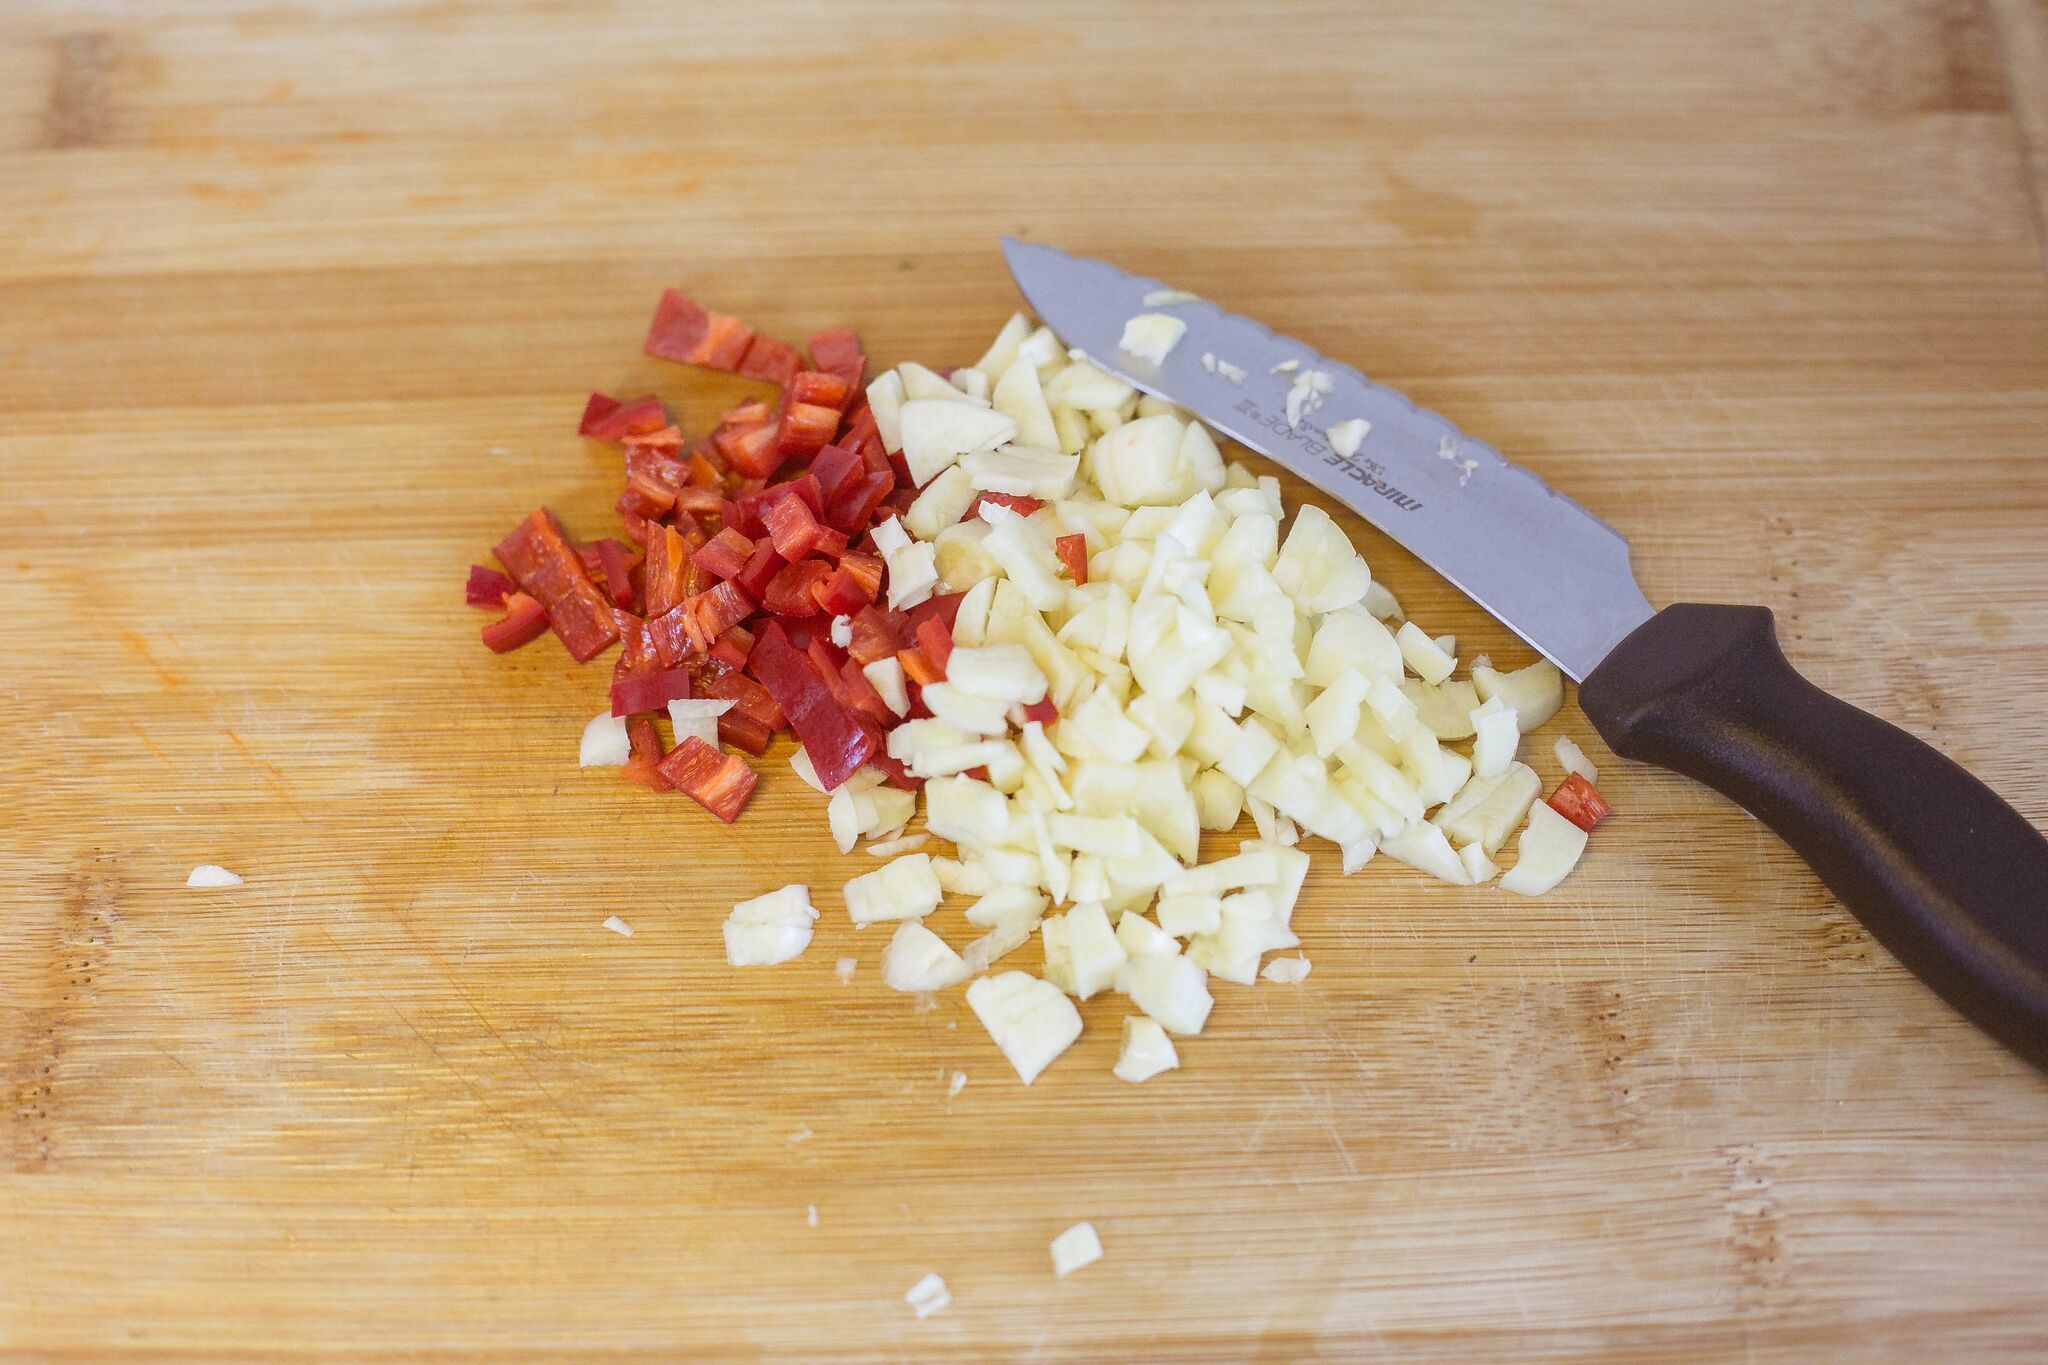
<point x="298" y="305"/>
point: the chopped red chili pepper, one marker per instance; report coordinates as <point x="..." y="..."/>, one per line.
<point x="836" y="351"/>
<point x="838" y="740"/>
<point x="524" y="621"/>
<point x="935" y="641"/>
<point x="720" y="783"/>
<point x="747" y="694"/>
<point x="618" y="561"/>
<point x="719" y="610"/>
<point x="644" y="767"/>
<point x="789" y="592"/>
<point x="822" y="390"/>
<point x="805" y="429"/>
<point x="855" y="506"/>
<point x="725" y="555"/>
<point x="1017" y="503"/>
<point x="488" y="588"/>
<point x="918" y="667"/>
<point x="1073" y="552"/>
<point x="1578" y="801"/>
<point x="792" y="528"/>
<point x="668" y="560"/>
<point x="832" y="467"/>
<point x="772" y="360"/>
<point x="607" y="419"/>
<point x="683" y="330"/>
<point x="548" y="569"/>
<point x="732" y="648"/>
<point x="945" y="606"/>
<point x="645" y="692"/>
<point x="1042" y="711"/>
<point x="744" y="733"/>
<point x="760" y="571"/>
<point x="669" y="437"/>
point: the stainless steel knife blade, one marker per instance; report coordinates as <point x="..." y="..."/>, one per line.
<point x="1553" y="572"/>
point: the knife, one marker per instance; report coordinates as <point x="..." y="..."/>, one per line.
<point x="1941" y="870"/>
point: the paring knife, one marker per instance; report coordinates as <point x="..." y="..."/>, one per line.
<point x="1942" y="871"/>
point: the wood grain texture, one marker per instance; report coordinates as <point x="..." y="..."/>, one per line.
<point x="298" y="303"/>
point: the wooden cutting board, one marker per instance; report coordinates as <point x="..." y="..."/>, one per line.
<point x="298" y="305"/>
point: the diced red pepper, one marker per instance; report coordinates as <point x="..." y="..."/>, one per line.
<point x="760" y="571"/>
<point x="547" y="568"/>
<point x="1017" y="503"/>
<point x="1042" y="711"/>
<point x="838" y="740"/>
<point x="618" y="562"/>
<point x="821" y="390"/>
<point x="595" y="409"/>
<point x="789" y="592"/>
<point x="842" y="594"/>
<point x="943" y="606"/>
<point x="1580" y="802"/>
<point x="753" y="451"/>
<point x="748" y="696"/>
<point x="488" y="588"/>
<point x="894" y="773"/>
<point x="1073" y="552"/>
<point x="644" y="767"/>
<point x="861" y="435"/>
<point x="805" y="429"/>
<point x="917" y="667"/>
<point x="804" y="486"/>
<point x="645" y="692"/>
<point x="877" y="634"/>
<point x="720" y="783"/>
<point x="644" y="498"/>
<point x="607" y="419"/>
<point x="719" y="610"/>
<point x="660" y="465"/>
<point x="669" y="437"/>
<point x="856" y="691"/>
<point x="855" y="506"/>
<point x="593" y="567"/>
<point x="935" y="641"/>
<point x="867" y="570"/>
<point x="744" y="733"/>
<point x="683" y="330"/>
<point x="792" y="528"/>
<point x="668" y="560"/>
<point x="725" y="555"/>
<point x="636" y="645"/>
<point x="636" y="527"/>
<point x="832" y="542"/>
<point x="772" y="360"/>
<point x="673" y="634"/>
<point x="834" y="465"/>
<point x="702" y="473"/>
<point x="524" y="621"/>
<point x="700" y="502"/>
<point x="732" y="648"/>
<point x="834" y="350"/>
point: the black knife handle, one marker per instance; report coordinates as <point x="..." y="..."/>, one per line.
<point x="1935" y="864"/>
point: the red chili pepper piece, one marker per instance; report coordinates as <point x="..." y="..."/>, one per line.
<point x="772" y="360"/>
<point x="744" y="733"/>
<point x="548" y="569"/>
<point x="935" y="641"/>
<point x="732" y="648"/>
<point x="668" y="560"/>
<point x="607" y="419"/>
<point x="760" y="571"/>
<point x="789" y="592"/>
<point x="855" y="506"/>
<point x="1017" y="503"/>
<point x="805" y="429"/>
<point x="838" y="740"/>
<point x="646" y="692"/>
<point x="944" y="606"/>
<point x="618" y="562"/>
<point x="644" y="767"/>
<point x="684" y="330"/>
<point x="1578" y="801"/>
<point x="1073" y="552"/>
<point x="725" y="554"/>
<point x="488" y="588"/>
<point x="792" y="528"/>
<point x="837" y="351"/>
<point x="834" y="465"/>
<point x="917" y="667"/>
<point x="720" y="783"/>
<point x="823" y="390"/>
<point x="748" y="696"/>
<point x="524" y="621"/>
<point x="1042" y="711"/>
